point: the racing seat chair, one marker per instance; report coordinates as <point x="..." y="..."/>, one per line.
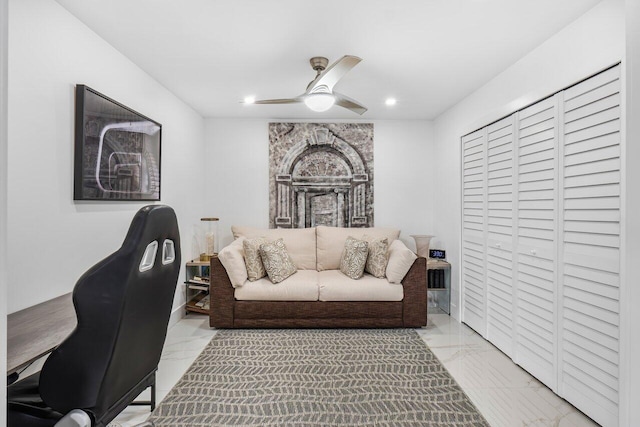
<point x="123" y="305"/>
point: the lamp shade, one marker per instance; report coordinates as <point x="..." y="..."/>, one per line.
<point x="319" y="102"/>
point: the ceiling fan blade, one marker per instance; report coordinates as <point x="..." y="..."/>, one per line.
<point x="279" y="101"/>
<point x="348" y="103"/>
<point x="329" y="77"/>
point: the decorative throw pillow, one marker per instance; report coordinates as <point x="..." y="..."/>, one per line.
<point x="277" y="261"/>
<point x="401" y="259"/>
<point x="377" y="258"/>
<point x="233" y="261"/>
<point x="354" y="257"/>
<point x="255" y="269"/>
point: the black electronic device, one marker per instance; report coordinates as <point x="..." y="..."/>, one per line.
<point x="437" y="254"/>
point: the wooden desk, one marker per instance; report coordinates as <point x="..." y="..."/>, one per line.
<point x="37" y="330"/>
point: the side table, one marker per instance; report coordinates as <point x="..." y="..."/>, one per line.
<point x="197" y="286"/>
<point x="438" y="285"/>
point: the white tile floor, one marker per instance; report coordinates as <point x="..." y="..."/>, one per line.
<point x="505" y="394"/>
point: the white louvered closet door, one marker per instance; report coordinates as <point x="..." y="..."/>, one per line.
<point x="589" y="374"/>
<point x="473" y="230"/>
<point x="499" y="249"/>
<point x="536" y="251"/>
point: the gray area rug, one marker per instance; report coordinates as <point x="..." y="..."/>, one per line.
<point x="323" y="377"/>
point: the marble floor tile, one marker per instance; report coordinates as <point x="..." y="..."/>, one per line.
<point x="527" y="407"/>
<point x="185" y="341"/>
<point x="503" y="392"/>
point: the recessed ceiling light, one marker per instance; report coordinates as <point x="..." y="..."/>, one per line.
<point x="249" y="99"/>
<point x="390" y="101"/>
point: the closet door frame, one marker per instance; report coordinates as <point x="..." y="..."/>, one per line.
<point x="565" y="228"/>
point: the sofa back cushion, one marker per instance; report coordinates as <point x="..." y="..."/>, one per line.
<point x="232" y="259"/>
<point x="300" y="242"/>
<point x="401" y="260"/>
<point x="331" y="242"/>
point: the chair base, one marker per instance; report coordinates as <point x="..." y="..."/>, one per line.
<point x="126" y="400"/>
<point x="151" y="402"/>
<point x="26" y="409"/>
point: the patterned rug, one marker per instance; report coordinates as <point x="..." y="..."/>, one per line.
<point x="317" y="378"/>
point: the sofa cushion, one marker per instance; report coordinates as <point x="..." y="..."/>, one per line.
<point x="354" y="258"/>
<point x="255" y="268"/>
<point x="331" y="242"/>
<point x="377" y="257"/>
<point x="277" y="261"/>
<point x="300" y="242"/>
<point x="232" y="259"/>
<point x="401" y="259"/>
<point x="302" y="286"/>
<point x="335" y="286"/>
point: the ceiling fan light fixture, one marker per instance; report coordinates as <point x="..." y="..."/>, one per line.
<point x="319" y="102"/>
<point x="319" y="95"/>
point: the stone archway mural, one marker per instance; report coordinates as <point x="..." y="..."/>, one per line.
<point x="320" y="174"/>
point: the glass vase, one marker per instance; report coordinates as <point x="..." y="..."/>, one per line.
<point x="422" y="244"/>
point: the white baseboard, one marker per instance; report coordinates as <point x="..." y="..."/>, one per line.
<point x="176" y="315"/>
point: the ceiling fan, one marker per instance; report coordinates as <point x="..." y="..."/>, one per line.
<point x="320" y="95"/>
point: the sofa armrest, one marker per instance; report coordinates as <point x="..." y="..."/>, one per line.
<point x="415" y="295"/>
<point x="221" y="296"/>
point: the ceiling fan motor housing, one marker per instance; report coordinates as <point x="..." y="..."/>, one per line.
<point x="319" y="63"/>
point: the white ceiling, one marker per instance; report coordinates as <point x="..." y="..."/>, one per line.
<point x="429" y="54"/>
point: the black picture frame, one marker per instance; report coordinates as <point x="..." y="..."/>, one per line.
<point x="117" y="150"/>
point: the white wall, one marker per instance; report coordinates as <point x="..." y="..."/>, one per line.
<point x="52" y="240"/>
<point x="591" y="43"/>
<point x="630" y="410"/>
<point x="238" y="155"/>
<point x="3" y="200"/>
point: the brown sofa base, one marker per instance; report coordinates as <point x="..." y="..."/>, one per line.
<point x="227" y="312"/>
<point x="317" y="309"/>
<point x="318" y="323"/>
<point x="317" y="314"/>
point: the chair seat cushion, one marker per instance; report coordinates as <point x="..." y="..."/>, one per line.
<point x="26" y="391"/>
<point x="302" y="286"/>
<point x="25" y="406"/>
<point x="335" y="286"/>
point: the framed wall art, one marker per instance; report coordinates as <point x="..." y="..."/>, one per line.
<point x="117" y="150"/>
<point x="320" y="174"/>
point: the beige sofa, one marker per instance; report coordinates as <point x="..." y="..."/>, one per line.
<point x="318" y="294"/>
